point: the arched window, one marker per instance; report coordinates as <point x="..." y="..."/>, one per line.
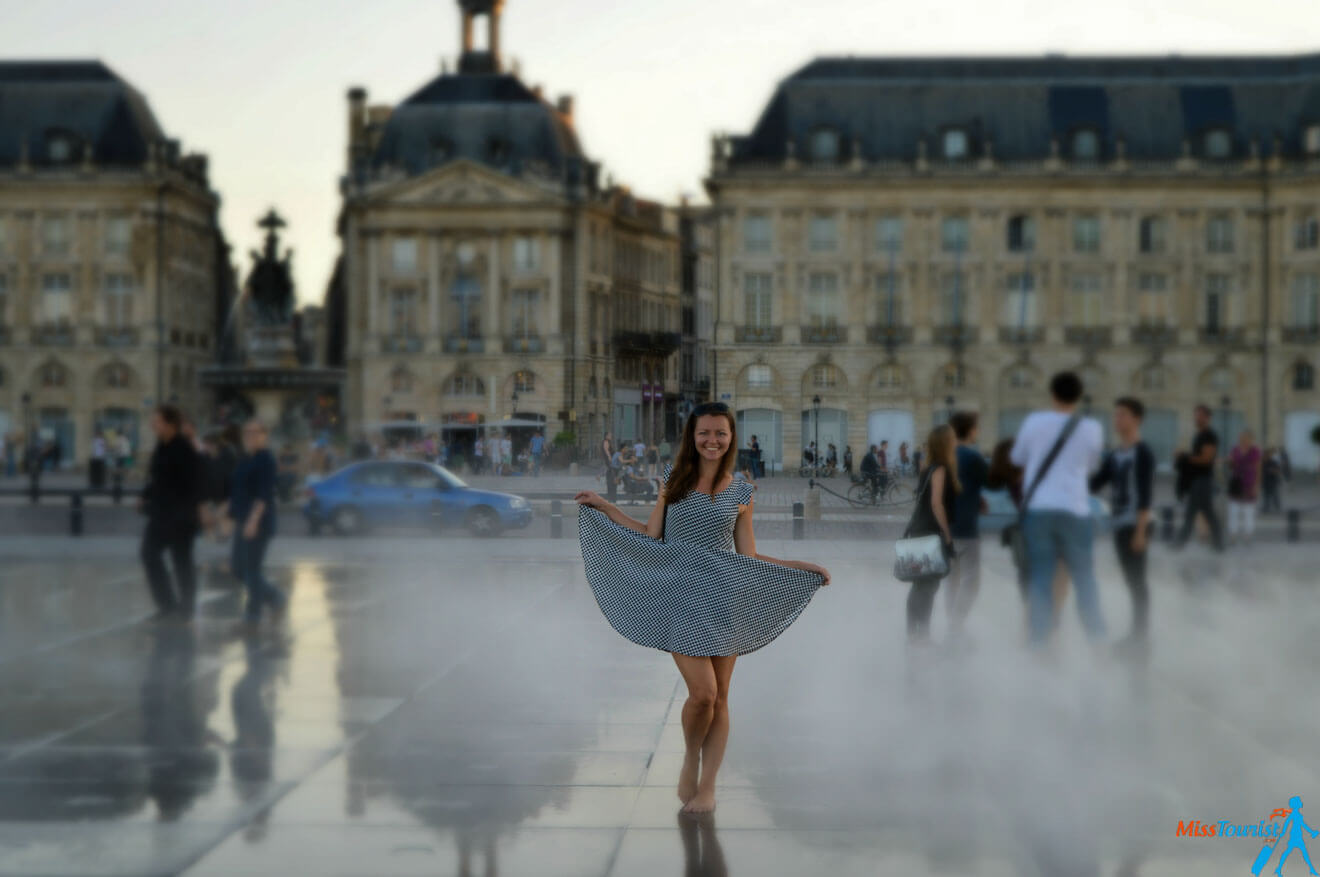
<point x="824" y="377"/>
<point x="1303" y="376"/>
<point x="116" y="376"/>
<point x="825" y="144"/>
<point x="956" y="144"/>
<point x="465" y="384"/>
<point x="524" y="381"/>
<point x="1085" y="145"/>
<point x="53" y="375"/>
<point x="1153" y="377"/>
<point x="401" y="380"/>
<point x="1020" y="378"/>
<point x="890" y="378"/>
<point x="60" y="147"/>
<point x="1218" y="143"/>
<point x="953" y="376"/>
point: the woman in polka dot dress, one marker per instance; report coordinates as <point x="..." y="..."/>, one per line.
<point x="690" y="582"/>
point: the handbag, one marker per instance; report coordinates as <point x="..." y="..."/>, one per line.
<point x="1012" y="535"/>
<point x="920" y="557"/>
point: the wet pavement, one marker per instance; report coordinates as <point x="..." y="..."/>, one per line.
<point x="458" y="707"/>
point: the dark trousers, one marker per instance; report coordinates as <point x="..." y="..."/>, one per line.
<point x="1201" y="500"/>
<point x="1134" y="573"/>
<point x="920" y="603"/>
<point x="248" y="556"/>
<point x="155" y="542"/>
<point x="1271" y="500"/>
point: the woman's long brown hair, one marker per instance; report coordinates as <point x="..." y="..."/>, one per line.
<point x="687" y="462"/>
<point x="941" y="447"/>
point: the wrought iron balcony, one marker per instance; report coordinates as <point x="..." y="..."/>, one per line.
<point x="1222" y="335"/>
<point x="824" y="335"/>
<point x="1021" y="335"/>
<point x="956" y="335"/>
<point x="1155" y="336"/>
<point x="1088" y="336"/>
<point x="462" y="344"/>
<point x="889" y="335"/>
<point x="53" y="336"/>
<point x="401" y="344"/>
<point x="758" y="334"/>
<point x="525" y="344"/>
<point x="1301" y="334"/>
<point x="647" y="342"/>
<point x="112" y="337"/>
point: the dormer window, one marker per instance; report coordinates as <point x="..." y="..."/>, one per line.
<point x="59" y="147"/>
<point x="1311" y="140"/>
<point x="1085" y="145"/>
<point x="441" y="149"/>
<point x="1218" y="143"/>
<point x="825" y="144"/>
<point x="497" y="150"/>
<point x="956" y="144"/>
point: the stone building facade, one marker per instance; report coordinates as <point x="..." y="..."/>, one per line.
<point x="899" y="238"/>
<point x="114" y="273"/>
<point x="489" y="278"/>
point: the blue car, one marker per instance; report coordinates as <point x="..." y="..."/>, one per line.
<point x="406" y="493"/>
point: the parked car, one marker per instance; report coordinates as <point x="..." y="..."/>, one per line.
<point x="408" y="493"/>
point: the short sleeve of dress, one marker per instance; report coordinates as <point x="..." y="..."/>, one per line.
<point x="745" y="491"/>
<point x="666" y="472"/>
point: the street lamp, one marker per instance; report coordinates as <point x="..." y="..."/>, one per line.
<point x="815" y="456"/>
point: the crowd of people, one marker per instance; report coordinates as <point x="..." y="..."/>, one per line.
<point x="494" y="453"/>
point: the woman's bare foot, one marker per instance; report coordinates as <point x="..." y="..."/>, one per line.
<point x="687" y="778"/>
<point x="704" y="802"/>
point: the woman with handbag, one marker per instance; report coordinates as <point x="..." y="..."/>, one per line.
<point x="703" y="594"/>
<point x="1244" y="469"/>
<point x="936" y="489"/>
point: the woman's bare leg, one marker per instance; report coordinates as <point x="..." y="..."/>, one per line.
<point x="712" y="750"/>
<point x="698" y="713"/>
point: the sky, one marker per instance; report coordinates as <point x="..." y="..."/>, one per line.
<point x="260" y="85"/>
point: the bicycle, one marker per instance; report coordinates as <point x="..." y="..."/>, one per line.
<point x="884" y="490"/>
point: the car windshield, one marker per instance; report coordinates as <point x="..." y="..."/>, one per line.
<point x="454" y="480"/>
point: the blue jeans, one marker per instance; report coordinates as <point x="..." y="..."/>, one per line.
<point x="1051" y="536"/>
<point x="248" y="556"/>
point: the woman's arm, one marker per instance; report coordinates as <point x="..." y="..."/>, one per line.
<point x="744" y="542"/>
<point x="653" y="523"/>
<point x="935" y="497"/>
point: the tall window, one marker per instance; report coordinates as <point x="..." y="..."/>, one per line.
<point x="524" y="381"/>
<point x="1304" y="310"/>
<point x="1088" y="300"/>
<point x="825" y="144"/>
<point x="403" y="311"/>
<point x="889" y="234"/>
<point x="1217" y="302"/>
<point x="1020" y="304"/>
<point x="1303" y="376"/>
<point x="956" y="144"/>
<point x="1085" y="145"/>
<point x="756" y="233"/>
<point x="53" y="375"/>
<point x="954" y="301"/>
<point x="526" y="254"/>
<point x="117" y="235"/>
<point x="56" y="299"/>
<point x="889" y="299"/>
<point x="465" y="296"/>
<point x="760" y="377"/>
<point x="1306" y="234"/>
<point x="403" y="255"/>
<point x="465" y="384"/>
<point x="55" y="236"/>
<point x="1152" y="299"/>
<point x="756" y="300"/>
<point x="824" y="376"/>
<point x="1021" y="234"/>
<point x="823" y="234"/>
<point x="1086" y="234"/>
<point x="1151" y="237"/>
<point x="955" y="234"/>
<point x="890" y="377"/>
<point x="1219" y="234"/>
<point x="525" y="309"/>
<point x="116" y="376"/>
<point x="823" y="300"/>
<point x="401" y="380"/>
<point x="117" y="298"/>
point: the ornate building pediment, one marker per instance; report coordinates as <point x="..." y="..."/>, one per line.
<point x="464" y="183"/>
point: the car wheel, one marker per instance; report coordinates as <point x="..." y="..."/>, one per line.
<point x="483" y="522"/>
<point x="347" y="521"/>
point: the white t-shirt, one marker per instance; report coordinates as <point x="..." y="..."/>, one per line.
<point x="639" y="450"/>
<point x="1065" y="486"/>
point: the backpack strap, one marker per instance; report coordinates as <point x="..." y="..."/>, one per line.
<point x="1049" y="461"/>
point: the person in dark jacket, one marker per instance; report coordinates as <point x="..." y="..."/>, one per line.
<point x="172" y="499"/>
<point x="252" y="508"/>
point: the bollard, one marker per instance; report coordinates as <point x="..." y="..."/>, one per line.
<point x="1166" y="523"/>
<point x="799" y="525"/>
<point x="1294" y="525"/>
<point x="556" y="519"/>
<point x="75" y="514"/>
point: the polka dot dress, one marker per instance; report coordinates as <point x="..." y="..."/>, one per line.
<point x="691" y="594"/>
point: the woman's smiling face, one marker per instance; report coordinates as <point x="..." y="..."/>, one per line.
<point x="712" y="437"/>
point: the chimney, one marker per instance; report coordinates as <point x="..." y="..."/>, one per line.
<point x="538" y="91"/>
<point x="566" y="106"/>
<point x="357" y="124"/>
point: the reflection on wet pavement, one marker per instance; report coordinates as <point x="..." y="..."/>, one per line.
<point x="477" y="716"/>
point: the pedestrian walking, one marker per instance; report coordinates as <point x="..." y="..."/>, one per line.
<point x="968" y="506"/>
<point x="1271" y="481"/>
<point x="172" y="499"/>
<point x="652" y="461"/>
<point x="252" y="509"/>
<point x="1199" y="470"/>
<point x="904" y="462"/>
<point x="1058" y="450"/>
<point x="848" y="460"/>
<point x="537" y="448"/>
<point x="506" y="455"/>
<point x="937" y="490"/>
<point x="607" y="451"/>
<point x="1244" y="475"/>
<point x="702" y="592"/>
<point x="1130" y="471"/>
